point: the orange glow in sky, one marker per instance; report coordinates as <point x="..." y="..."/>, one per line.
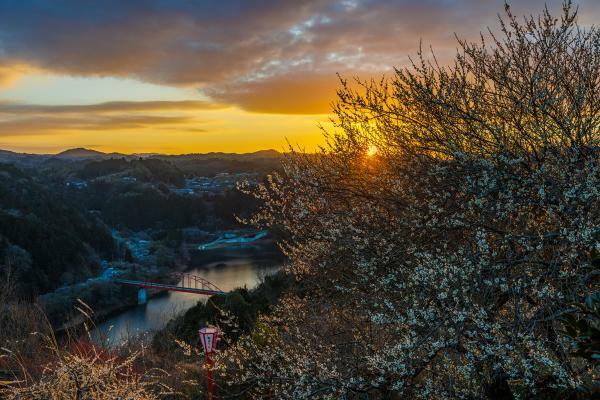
<point x="231" y="76"/>
<point x="56" y="113"/>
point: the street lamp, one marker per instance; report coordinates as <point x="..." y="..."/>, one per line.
<point x="208" y="337"/>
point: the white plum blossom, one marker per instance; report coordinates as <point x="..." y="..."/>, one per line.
<point x="437" y="267"/>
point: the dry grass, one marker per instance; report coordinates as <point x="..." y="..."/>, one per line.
<point x="38" y="366"/>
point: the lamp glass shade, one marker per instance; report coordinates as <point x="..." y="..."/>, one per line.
<point x="208" y="337"/>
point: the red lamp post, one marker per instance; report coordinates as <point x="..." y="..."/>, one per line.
<point x="208" y="337"/>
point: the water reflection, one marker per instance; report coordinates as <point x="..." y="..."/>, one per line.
<point x="225" y="274"/>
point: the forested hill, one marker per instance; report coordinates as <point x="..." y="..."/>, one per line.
<point x="64" y="218"/>
<point x="147" y="170"/>
<point x="45" y="237"/>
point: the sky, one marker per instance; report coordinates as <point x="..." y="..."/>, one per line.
<point x="189" y="76"/>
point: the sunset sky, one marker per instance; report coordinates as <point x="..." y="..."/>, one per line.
<point x="198" y="76"/>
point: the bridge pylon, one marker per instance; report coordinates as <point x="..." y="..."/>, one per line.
<point x="142" y="295"/>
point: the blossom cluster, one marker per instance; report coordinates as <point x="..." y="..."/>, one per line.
<point x="437" y="268"/>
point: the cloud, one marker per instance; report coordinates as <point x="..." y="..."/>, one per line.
<point x="289" y="94"/>
<point x="277" y="56"/>
<point x="108" y="107"/>
<point x="11" y="72"/>
<point x="295" y="93"/>
<point x="42" y="125"/>
<point x="19" y="119"/>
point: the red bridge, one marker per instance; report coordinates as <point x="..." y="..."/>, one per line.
<point x="187" y="283"/>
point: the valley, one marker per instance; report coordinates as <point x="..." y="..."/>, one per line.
<point x="132" y="216"/>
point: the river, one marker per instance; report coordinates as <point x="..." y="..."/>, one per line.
<point x="228" y="269"/>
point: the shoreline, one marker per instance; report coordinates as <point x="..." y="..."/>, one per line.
<point x="77" y="327"/>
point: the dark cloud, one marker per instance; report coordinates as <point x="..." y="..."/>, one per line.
<point x="245" y="52"/>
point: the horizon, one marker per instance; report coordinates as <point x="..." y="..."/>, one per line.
<point x="65" y="150"/>
<point x="233" y="77"/>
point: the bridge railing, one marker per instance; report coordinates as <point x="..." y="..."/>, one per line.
<point x="186" y="282"/>
<point x="195" y="282"/>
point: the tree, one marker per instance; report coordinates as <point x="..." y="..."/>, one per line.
<point x="17" y="266"/>
<point x="437" y="266"/>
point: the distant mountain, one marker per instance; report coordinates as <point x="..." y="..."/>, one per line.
<point x="82" y="152"/>
<point x="199" y="164"/>
<point x="79" y="153"/>
<point x="7" y="152"/>
<point x="261" y="154"/>
<point x="270" y="153"/>
<point x="23" y="159"/>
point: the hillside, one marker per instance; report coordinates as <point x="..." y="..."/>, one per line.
<point x="44" y="236"/>
<point x="147" y="170"/>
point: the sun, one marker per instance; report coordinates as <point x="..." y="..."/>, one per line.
<point x="372" y="150"/>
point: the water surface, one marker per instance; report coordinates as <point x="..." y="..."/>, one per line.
<point x="226" y="273"/>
